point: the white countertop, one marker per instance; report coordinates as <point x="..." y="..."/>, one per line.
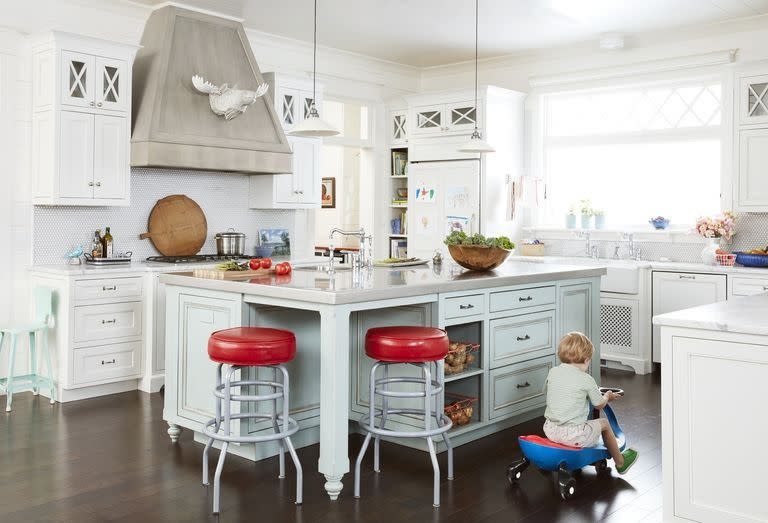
<point x="381" y="283"/>
<point x="747" y="315"/>
<point x="137" y="266"/>
<point x="647" y="264"/>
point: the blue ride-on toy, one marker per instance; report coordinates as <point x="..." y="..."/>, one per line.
<point x="563" y="459"/>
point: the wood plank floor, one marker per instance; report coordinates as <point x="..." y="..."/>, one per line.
<point x="109" y="459"/>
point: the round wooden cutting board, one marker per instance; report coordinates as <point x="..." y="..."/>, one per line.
<point x="177" y="226"/>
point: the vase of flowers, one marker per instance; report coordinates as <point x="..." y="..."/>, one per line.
<point x="599" y="218"/>
<point x="586" y="213"/>
<point x="712" y="230"/>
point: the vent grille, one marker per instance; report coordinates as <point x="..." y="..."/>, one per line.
<point x="616" y="326"/>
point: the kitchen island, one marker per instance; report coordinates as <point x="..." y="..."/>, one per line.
<point x="515" y="314"/>
<point x="714" y="372"/>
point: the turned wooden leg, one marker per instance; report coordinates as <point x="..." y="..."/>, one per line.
<point x="174" y="431"/>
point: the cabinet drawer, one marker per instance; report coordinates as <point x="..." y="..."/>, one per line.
<point x="508" y="300"/>
<point x="519" y="387"/>
<point x="464" y="306"/>
<point x="118" y="288"/>
<point x="103" y="322"/>
<point x="748" y="286"/>
<point x="522" y="337"/>
<point x="106" y="362"/>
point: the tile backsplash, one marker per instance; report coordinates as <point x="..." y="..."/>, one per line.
<point x="223" y="198"/>
<point x="751" y="233"/>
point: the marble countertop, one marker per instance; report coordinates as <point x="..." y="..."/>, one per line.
<point x="380" y="283"/>
<point x="746" y="315"/>
<point x="133" y="267"/>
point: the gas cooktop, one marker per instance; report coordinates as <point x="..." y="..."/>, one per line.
<point x="195" y="258"/>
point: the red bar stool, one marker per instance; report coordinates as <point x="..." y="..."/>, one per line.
<point x="241" y="348"/>
<point x="424" y="347"/>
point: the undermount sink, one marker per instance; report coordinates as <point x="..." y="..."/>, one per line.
<point x="622" y="276"/>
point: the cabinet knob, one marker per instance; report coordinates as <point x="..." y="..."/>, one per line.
<point x="98" y="184"/>
<point x="301" y="192"/>
<point x="99" y="104"/>
<point x="90" y="184"/>
<point x="92" y="104"/>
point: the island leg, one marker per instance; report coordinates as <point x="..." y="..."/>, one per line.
<point x="174" y="431"/>
<point x="334" y="397"/>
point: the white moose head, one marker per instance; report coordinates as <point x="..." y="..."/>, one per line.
<point x="225" y="101"/>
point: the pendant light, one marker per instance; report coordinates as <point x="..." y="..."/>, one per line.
<point x="476" y="144"/>
<point x="313" y="125"/>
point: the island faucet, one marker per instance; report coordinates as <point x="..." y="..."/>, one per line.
<point x="363" y="260"/>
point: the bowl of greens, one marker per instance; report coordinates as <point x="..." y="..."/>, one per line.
<point x="476" y="252"/>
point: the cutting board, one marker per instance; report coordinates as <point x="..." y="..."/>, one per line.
<point x="177" y="226"/>
<point x="217" y="274"/>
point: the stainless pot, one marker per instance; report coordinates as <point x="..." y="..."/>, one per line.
<point x="230" y="243"/>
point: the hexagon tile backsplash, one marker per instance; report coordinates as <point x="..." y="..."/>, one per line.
<point x="222" y="196"/>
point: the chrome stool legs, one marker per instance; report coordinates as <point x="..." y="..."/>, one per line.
<point x="430" y="392"/>
<point x="219" y="428"/>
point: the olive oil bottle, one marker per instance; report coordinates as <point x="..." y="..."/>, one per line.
<point x="106" y="242"/>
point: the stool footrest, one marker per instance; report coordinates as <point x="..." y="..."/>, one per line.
<point x="446" y="425"/>
<point x="292" y="428"/>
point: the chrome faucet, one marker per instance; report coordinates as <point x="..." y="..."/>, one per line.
<point x="633" y="251"/>
<point x="364" y="258"/>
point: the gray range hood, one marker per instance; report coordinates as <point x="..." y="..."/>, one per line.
<point x="173" y="123"/>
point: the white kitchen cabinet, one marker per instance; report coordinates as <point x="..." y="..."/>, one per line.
<point x="739" y="285"/>
<point x="753" y="99"/>
<point x="442" y="119"/>
<point x="300" y="190"/>
<point x="752" y="172"/>
<point x="398" y="128"/>
<point x="675" y="291"/>
<point x="80" y="130"/>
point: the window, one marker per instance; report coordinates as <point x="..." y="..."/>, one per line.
<point x="634" y="152"/>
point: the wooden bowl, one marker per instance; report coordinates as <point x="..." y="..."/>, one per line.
<point x="478" y="257"/>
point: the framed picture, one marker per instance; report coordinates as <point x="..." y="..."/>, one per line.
<point x="278" y="239"/>
<point x="328" y="198"/>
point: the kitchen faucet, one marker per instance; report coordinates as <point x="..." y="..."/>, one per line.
<point x="593" y="251"/>
<point x="633" y="250"/>
<point x="363" y="260"/>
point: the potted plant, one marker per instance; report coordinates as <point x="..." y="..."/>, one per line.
<point x="599" y="218"/>
<point x="586" y="213"/>
<point x="712" y="229"/>
<point x="570" y="218"/>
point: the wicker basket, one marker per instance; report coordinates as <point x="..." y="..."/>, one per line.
<point x="726" y="259"/>
<point x="532" y="249"/>
<point x="459" y="408"/>
<point x="461" y="355"/>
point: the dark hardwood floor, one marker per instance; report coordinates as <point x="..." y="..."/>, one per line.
<point x="109" y="459"/>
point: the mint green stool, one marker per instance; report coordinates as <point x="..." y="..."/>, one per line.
<point x="43" y="320"/>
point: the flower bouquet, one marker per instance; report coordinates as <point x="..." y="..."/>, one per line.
<point x="712" y="229"/>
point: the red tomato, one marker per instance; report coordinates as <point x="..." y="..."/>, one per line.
<point x="266" y="263"/>
<point x="280" y="270"/>
<point x="288" y="267"/>
<point x="254" y="264"/>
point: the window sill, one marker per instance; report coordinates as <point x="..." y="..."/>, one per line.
<point x="671" y="235"/>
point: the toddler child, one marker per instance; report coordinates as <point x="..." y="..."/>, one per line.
<point x="570" y="390"/>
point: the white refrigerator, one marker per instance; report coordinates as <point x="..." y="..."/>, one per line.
<point x="443" y="196"/>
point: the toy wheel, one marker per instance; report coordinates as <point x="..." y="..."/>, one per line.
<point x="568" y="490"/>
<point x="515" y="471"/>
<point x="601" y="466"/>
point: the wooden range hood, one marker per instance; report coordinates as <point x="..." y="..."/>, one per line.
<point x="173" y="125"/>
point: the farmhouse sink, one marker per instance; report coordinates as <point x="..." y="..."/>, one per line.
<point x="623" y="276"/>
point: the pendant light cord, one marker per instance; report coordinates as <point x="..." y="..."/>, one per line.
<point x="314" y="63"/>
<point x="476" y="26"/>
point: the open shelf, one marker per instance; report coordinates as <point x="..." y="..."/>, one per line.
<point x="462" y="375"/>
<point x="398" y="236"/>
<point x="466" y="388"/>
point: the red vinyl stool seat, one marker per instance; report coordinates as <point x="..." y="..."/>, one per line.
<point x="407" y="344"/>
<point x="252" y="346"/>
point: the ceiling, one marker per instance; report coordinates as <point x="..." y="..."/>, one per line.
<point x="426" y="33"/>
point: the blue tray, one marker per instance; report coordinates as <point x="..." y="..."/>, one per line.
<point x="752" y="260"/>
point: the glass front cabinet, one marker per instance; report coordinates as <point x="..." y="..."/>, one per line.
<point x="444" y="118"/>
<point x="398" y="127"/>
<point x="754" y="100"/>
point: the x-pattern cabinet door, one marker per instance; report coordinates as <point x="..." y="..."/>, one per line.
<point x="429" y="120"/>
<point x="111" y="88"/>
<point x="754" y="99"/>
<point x="288" y="110"/>
<point x="461" y="116"/>
<point x="398" y="128"/>
<point x="78" y="79"/>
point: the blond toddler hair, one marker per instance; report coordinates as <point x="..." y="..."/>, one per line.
<point x="575" y="347"/>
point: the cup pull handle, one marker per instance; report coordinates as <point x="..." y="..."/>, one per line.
<point x="524" y="385"/>
<point x="523" y="338"/>
<point x="113" y="320"/>
<point x="109" y="362"/>
<point x="112" y="288"/>
<point x="467" y="306"/>
<point x="527" y="298"/>
<point x="686" y="277"/>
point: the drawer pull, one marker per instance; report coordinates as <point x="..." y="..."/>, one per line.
<point x="113" y="320"/>
<point x="467" y="306"/>
<point x="523" y="338"/>
<point x="528" y="298"/>
<point x="524" y="385"/>
<point x="684" y="277"/>
<point x="765" y="287"/>
<point x="110" y="362"/>
<point x="112" y="288"/>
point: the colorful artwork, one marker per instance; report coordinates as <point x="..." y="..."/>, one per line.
<point x="425" y="193"/>
<point x="456" y="197"/>
<point x="328" y="197"/>
<point x="456" y="223"/>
